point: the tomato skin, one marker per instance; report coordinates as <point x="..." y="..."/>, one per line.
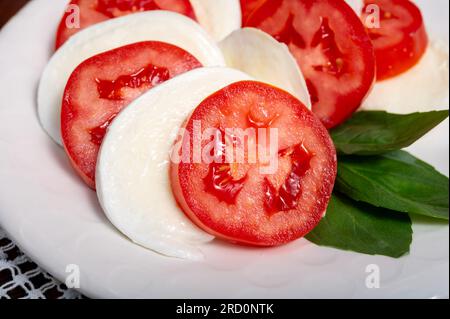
<point x="399" y="45"/>
<point x="248" y="221"/>
<point x="86" y="113"/>
<point x="92" y="13"/>
<point x="332" y="49"/>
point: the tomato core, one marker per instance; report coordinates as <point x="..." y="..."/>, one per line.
<point x="221" y="183"/>
<point x="150" y="75"/>
<point x="325" y="37"/>
<point x="289" y="35"/>
<point x="286" y="198"/>
<point x="220" y="180"/>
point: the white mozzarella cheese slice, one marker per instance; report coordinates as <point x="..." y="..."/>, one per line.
<point x="162" y="26"/>
<point x="132" y="174"/>
<point x="265" y="59"/>
<point x="218" y="17"/>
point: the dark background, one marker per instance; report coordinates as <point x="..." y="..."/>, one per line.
<point x="8" y="8"/>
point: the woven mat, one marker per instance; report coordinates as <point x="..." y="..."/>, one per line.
<point x="21" y="278"/>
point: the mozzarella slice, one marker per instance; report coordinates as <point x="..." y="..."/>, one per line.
<point x="261" y="56"/>
<point x="133" y="167"/>
<point x="162" y="26"/>
<point x="423" y="88"/>
<point x="218" y="17"/>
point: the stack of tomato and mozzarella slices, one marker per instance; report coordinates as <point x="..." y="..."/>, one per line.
<point x="134" y="73"/>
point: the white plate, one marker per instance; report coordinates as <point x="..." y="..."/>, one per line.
<point x="57" y="221"/>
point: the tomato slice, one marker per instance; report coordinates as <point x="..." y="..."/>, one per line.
<point x="332" y="48"/>
<point x="235" y="199"/>
<point x="95" y="11"/>
<point x="400" y="40"/>
<point x="247" y="8"/>
<point x="103" y="85"/>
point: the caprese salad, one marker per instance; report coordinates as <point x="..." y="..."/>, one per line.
<point x="196" y="120"/>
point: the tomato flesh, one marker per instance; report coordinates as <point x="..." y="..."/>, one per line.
<point x="103" y="85"/>
<point x="247" y="8"/>
<point x="99" y="132"/>
<point x="236" y="200"/>
<point x="400" y="40"/>
<point x="331" y="47"/>
<point x="95" y="11"/>
<point x="117" y="8"/>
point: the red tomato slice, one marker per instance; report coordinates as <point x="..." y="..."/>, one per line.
<point x="247" y="8"/>
<point x="235" y="200"/>
<point x="400" y="40"/>
<point x="103" y="85"/>
<point x="95" y="11"/>
<point x="332" y="48"/>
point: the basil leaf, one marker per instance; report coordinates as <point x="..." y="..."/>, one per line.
<point x="374" y="132"/>
<point x="397" y="181"/>
<point x="363" y="228"/>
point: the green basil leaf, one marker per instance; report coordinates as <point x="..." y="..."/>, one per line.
<point x="397" y="181"/>
<point x="363" y="228"/>
<point x="375" y="132"/>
